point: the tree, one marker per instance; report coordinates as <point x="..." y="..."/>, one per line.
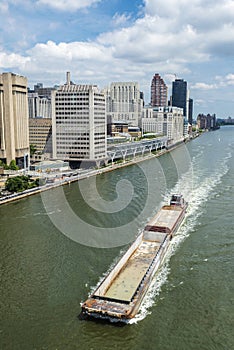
<point x="21" y="183"/>
<point x="33" y="149"/>
<point x="17" y="184"/>
<point x="13" y="166"/>
<point x="4" y="165"/>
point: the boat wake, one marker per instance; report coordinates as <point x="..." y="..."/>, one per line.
<point x="197" y="188"/>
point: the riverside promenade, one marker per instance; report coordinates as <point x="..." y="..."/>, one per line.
<point x="92" y="172"/>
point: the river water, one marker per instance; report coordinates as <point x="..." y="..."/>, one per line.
<point x="55" y="248"/>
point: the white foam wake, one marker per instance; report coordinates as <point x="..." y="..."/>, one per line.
<point x="196" y="189"/>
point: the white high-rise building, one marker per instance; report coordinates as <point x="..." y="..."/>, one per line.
<point x="39" y="106"/>
<point x="167" y="121"/>
<point x="78" y="122"/>
<point x="124" y="102"/>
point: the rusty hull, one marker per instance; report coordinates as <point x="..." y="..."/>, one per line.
<point x="120" y="294"/>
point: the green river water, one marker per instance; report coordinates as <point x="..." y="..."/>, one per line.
<point x="56" y="247"/>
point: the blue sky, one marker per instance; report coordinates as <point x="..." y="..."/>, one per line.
<point x="101" y="41"/>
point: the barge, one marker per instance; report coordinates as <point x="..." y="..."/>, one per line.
<point x="119" y="296"/>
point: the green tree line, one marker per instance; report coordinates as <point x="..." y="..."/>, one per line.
<point x="20" y="183"/>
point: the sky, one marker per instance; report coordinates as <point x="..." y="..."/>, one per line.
<point x="104" y="41"/>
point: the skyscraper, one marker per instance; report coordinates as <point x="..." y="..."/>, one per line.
<point x="124" y="102"/>
<point x="14" y="134"/>
<point x="158" y="92"/>
<point x="78" y="123"/>
<point x="180" y="95"/>
<point x="190" y="112"/>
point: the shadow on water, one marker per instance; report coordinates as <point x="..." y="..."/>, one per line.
<point x="107" y="321"/>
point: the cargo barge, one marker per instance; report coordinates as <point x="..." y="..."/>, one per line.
<point x="119" y="296"/>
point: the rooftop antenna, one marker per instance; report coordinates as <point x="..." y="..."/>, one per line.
<point x="68" y="78"/>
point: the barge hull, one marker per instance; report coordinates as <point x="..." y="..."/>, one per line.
<point x="120" y="294"/>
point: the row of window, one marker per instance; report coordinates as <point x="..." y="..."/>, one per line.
<point x="59" y="148"/>
<point x="77" y="140"/>
<point x="71" y="94"/>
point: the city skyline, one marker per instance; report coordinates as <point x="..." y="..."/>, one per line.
<point x="102" y="41"/>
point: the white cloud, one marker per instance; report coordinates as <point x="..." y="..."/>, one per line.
<point x="153" y="40"/>
<point x="69" y="51"/>
<point x="170" y="37"/>
<point x="230" y="79"/>
<point x="204" y="86"/>
<point x="227" y="80"/>
<point x="121" y="19"/>
<point x="88" y="62"/>
<point x="13" y="60"/>
<point x="199" y="13"/>
<point x="67" y="5"/>
<point x="165" y="8"/>
<point x="171" y="34"/>
<point x="212" y="22"/>
<point x="200" y="102"/>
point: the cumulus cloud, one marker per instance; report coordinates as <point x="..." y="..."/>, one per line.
<point x="152" y="40"/>
<point x="230" y="79"/>
<point x="226" y="80"/>
<point x="169" y="37"/>
<point x="88" y="62"/>
<point x="212" y="22"/>
<point x="13" y="60"/>
<point x="201" y="14"/>
<point x="171" y="34"/>
<point x="67" y="5"/>
<point x="204" y="86"/>
<point x="69" y="51"/>
<point x="121" y="19"/>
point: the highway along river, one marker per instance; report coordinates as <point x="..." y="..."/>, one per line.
<point x="55" y="247"/>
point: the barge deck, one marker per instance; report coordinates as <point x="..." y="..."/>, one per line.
<point x="126" y="283"/>
<point x="121" y="292"/>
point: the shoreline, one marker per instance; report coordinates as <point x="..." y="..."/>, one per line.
<point x="95" y="172"/>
